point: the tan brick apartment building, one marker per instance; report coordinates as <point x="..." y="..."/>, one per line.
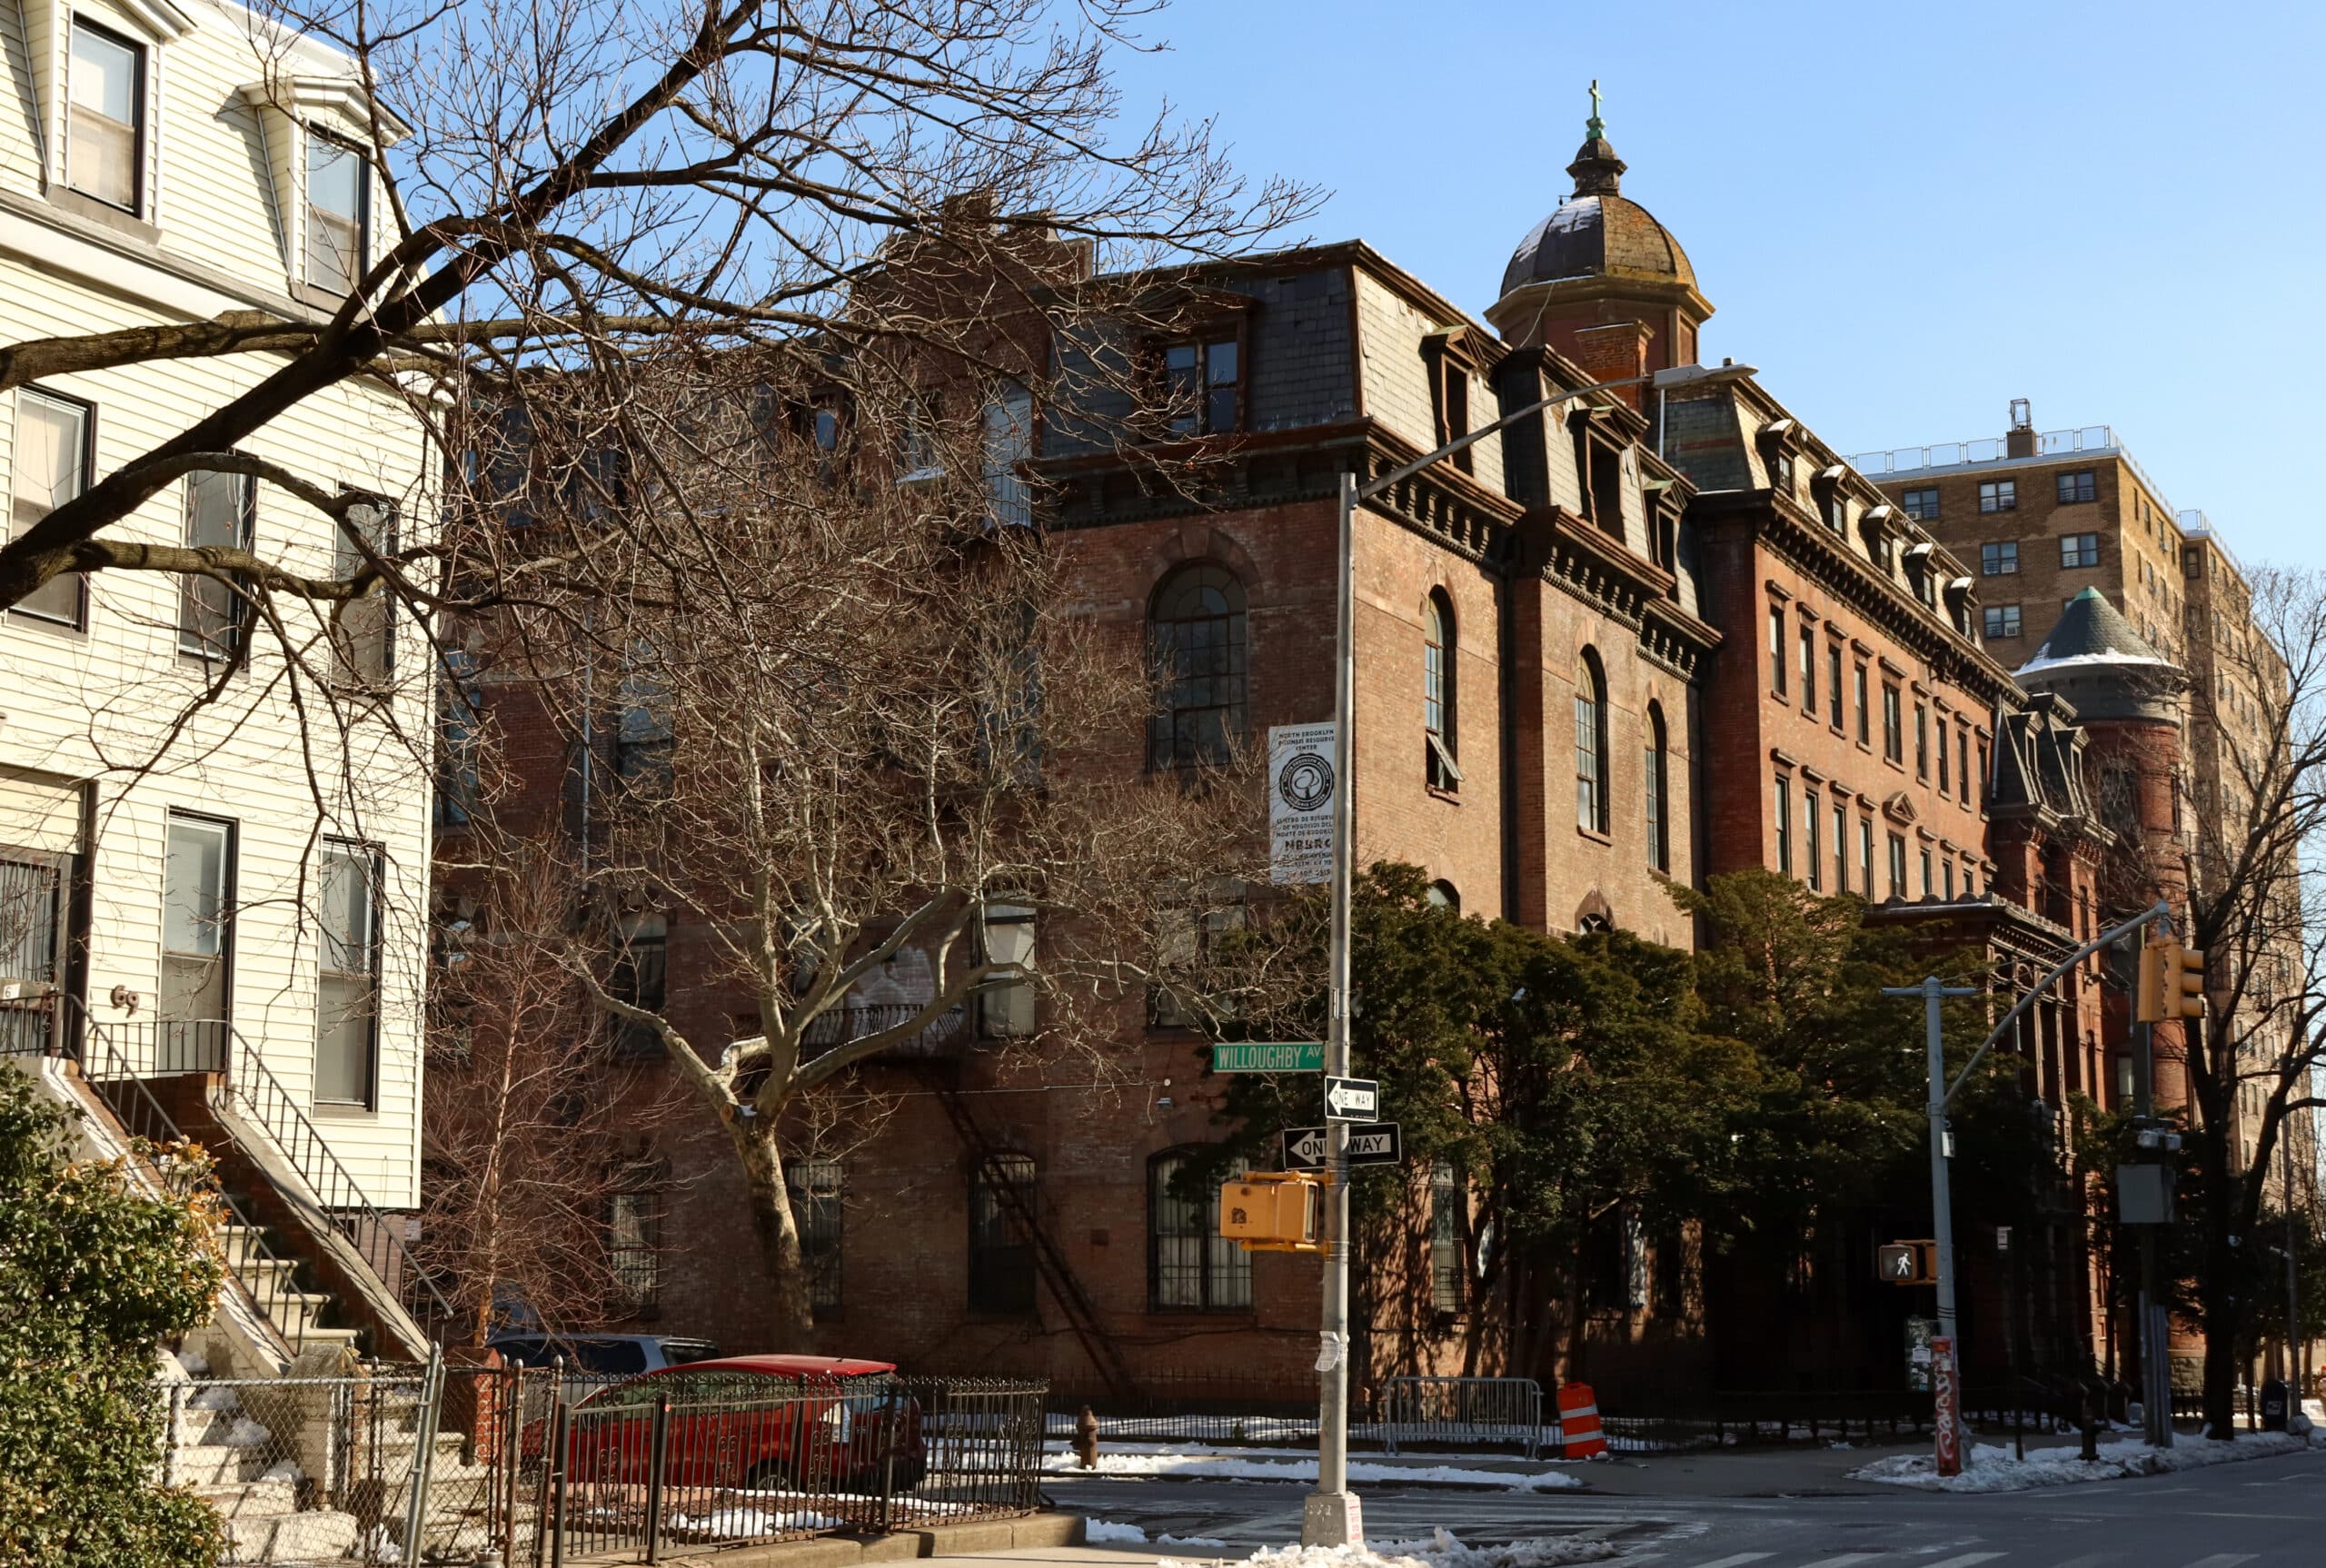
<point x="1638" y="639"/>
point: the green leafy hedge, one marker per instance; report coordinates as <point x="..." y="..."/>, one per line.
<point x="95" y="1272"/>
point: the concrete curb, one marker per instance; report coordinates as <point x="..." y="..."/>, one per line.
<point x="942" y="1541"/>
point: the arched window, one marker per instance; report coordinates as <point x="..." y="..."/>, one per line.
<point x="1190" y="1267"/>
<point x="1444" y="895"/>
<point x="1591" y="745"/>
<point x="1654" y="785"/>
<point x="1001" y="1244"/>
<point x="1196" y="642"/>
<point x="1440" y="733"/>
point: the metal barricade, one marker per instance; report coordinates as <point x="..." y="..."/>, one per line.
<point x="1462" y="1411"/>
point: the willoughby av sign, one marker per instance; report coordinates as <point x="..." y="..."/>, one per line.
<point x="1268" y="1056"/>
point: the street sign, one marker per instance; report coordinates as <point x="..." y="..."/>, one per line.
<point x="1268" y="1056"/>
<point x="1370" y="1144"/>
<point x="1352" y="1099"/>
<point x="1301" y="803"/>
<point x="1303" y="1148"/>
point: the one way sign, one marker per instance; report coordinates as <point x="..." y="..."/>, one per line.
<point x="1352" y="1099"/>
<point x="1370" y="1144"/>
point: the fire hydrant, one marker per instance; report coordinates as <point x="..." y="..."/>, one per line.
<point x="1086" y="1439"/>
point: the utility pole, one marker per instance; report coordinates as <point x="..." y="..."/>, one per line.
<point x="1932" y="991"/>
<point x="2156" y="1366"/>
<point x="1331" y="1515"/>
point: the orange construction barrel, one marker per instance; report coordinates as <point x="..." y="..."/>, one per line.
<point x="1579" y="1423"/>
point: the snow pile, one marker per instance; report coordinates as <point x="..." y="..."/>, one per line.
<point x="284" y="1470"/>
<point x="1230" y="1467"/>
<point x="1993" y="1469"/>
<point x="740" y="1523"/>
<point x="1189" y="1540"/>
<point x="246" y="1434"/>
<point x="212" y="1398"/>
<point x="1107" y="1533"/>
<point x="1440" y="1552"/>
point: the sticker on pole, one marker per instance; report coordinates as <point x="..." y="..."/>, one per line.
<point x="1301" y="803"/>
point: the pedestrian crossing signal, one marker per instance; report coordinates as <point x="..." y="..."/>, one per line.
<point x="1275" y="1211"/>
<point x="1907" y="1263"/>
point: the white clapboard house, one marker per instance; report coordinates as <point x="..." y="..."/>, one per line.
<point x="212" y="910"/>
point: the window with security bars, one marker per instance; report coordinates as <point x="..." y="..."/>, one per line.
<point x="1002" y="1249"/>
<point x="816" y="1186"/>
<point x="32" y="945"/>
<point x="634" y="1240"/>
<point x="1446" y="1203"/>
<point x="1191" y="1267"/>
<point x="1196" y="648"/>
<point x="220" y="510"/>
<point x="2079" y="486"/>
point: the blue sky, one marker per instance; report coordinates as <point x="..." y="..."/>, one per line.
<point x="1905" y="214"/>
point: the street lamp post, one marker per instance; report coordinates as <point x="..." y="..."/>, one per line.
<point x="1331" y="1515"/>
<point x="1933" y="992"/>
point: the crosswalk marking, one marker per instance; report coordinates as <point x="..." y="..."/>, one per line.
<point x="1847" y="1558"/>
<point x="2222" y="1560"/>
<point x="2092" y="1560"/>
<point x="1967" y="1559"/>
<point x="1736" y="1561"/>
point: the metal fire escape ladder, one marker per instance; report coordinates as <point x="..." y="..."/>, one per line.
<point x="1049" y="1261"/>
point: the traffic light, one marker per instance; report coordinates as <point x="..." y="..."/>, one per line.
<point x="2171" y="982"/>
<point x="1275" y="1211"/>
<point x="1907" y="1263"/>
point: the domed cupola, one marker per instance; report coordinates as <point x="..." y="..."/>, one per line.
<point x="1602" y="260"/>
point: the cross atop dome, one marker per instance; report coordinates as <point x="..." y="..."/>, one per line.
<point x="1597" y="170"/>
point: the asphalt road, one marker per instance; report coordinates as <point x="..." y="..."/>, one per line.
<point x="2260" y="1513"/>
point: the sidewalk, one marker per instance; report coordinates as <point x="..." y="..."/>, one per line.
<point x="1759" y="1472"/>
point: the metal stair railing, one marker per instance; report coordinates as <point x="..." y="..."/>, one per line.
<point x="112" y="1073"/>
<point x="1050" y="1261"/>
<point x="350" y="1211"/>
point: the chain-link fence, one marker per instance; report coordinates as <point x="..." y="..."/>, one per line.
<point x="327" y="1469"/>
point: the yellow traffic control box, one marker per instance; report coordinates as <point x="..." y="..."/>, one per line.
<point x="1275" y="1211"/>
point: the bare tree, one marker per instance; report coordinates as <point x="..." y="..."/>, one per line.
<point x="535" y="1127"/>
<point x="864" y="740"/>
<point x="572" y="184"/>
<point x="2253" y="779"/>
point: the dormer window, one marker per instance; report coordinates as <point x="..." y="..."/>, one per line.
<point x="1202" y="382"/>
<point x="105" y="139"/>
<point x="1832" y="502"/>
<point x="339" y="213"/>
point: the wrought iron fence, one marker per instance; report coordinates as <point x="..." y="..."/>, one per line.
<point x="1193" y="1406"/>
<point x="651" y="1468"/>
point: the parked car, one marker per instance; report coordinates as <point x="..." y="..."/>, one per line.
<point x="757" y="1423"/>
<point x="597" y="1354"/>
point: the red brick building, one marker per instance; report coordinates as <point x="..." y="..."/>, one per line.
<point x="1644" y="636"/>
